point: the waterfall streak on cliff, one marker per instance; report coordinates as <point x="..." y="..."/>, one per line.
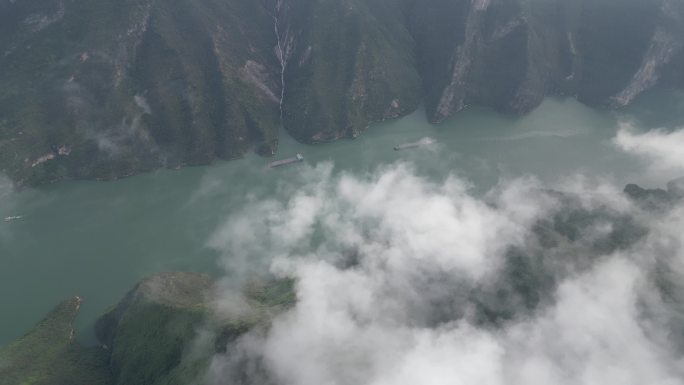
<point x="281" y="56"/>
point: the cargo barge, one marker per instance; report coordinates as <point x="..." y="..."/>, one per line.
<point x="284" y="162"/>
<point x="420" y="143"/>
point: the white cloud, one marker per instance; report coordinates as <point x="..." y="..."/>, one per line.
<point x="663" y="149"/>
<point x="6" y="187"/>
<point x="592" y="335"/>
<point x="386" y="265"/>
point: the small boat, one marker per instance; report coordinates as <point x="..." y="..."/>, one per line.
<point x="420" y="143"/>
<point x="283" y="162"/>
<point x="13" y="218"/>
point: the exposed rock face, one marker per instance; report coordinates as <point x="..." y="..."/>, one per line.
<point x="510" y="54"/>
<point x="666" y="44"/>
<point x="143" y="84"/>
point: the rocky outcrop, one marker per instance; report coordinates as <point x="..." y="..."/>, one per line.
<point x="49" y="355"/>
<point x="149" y="332"/>
<point x="166" y="330"/>
<point x="656" y="199"/>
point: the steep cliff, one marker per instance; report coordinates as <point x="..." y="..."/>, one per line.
<point x="349" y="63"/>
<point x="510" y="54"/>
<point x="104" y="89"/>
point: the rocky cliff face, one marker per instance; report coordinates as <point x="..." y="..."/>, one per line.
<point x="510" y="54"/>
<point x="664" y="54"/>
<point x="349" y="63"/>
<point x="103" y="89"/>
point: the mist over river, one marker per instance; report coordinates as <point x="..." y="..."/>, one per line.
<point x="97" y="239"/>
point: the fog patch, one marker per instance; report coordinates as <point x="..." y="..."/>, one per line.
<point x="114" y="140"/>
<point x="661" y="148"/>
<point x="395" y="275"/>
<point x="111" y="138"/>
<point x="6" y="187"/>
<point x="595" y="192"/>
<point x="142" y="103"/>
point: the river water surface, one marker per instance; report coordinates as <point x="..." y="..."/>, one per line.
<point x="97" y="239"/>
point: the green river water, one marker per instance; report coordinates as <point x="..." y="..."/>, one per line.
<point x="97" y="239"/>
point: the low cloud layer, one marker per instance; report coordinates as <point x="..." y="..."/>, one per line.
<point x="403" y="280"/>
<point x="663" y="149"/>
<point x="6" y="187"/>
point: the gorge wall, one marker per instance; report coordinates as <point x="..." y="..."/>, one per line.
<point x="104" y="89"/>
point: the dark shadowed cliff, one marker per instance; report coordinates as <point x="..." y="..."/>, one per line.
<point x="104" y="89"/>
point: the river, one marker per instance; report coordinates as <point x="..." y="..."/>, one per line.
<point x="97" y="239"/>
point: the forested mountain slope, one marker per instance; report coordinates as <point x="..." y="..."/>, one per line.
<point x="104" y="88"/>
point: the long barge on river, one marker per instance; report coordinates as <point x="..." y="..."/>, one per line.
<point x="420" y="143"/>
<point x="284" y="162"/>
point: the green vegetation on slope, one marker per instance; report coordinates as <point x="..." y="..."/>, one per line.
<point x="164" y="332"/>
<point x="103" y="89"/>
<point x="352" y="64"/>
<point x="48" y="354"/>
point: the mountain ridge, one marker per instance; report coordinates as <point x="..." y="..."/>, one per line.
<point x="102" y="89"/>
